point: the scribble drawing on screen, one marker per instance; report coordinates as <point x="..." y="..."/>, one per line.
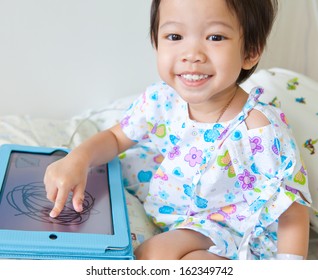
<point x="30" y="200"/>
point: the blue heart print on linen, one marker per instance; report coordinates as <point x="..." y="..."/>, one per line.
<point x="144" y="176"/>
<point x="200" y="202"/>
<point x="168" y="106"/>
<point x="154" y="96"/>
<point x="166" y="210"/>
<point x="177" y="171"/>
<point x="187" y="190"/>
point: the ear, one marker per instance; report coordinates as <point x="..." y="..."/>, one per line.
<point x="251" y="60"/>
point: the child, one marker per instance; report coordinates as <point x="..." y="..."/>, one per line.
<point x="231" y="184"/>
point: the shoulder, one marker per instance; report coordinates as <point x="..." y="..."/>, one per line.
<point x="256" y="119"/>
<point x="267" y="116"/>
<point x="262" y="114"/>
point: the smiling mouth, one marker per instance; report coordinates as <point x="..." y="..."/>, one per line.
<point x="194" y="77"/>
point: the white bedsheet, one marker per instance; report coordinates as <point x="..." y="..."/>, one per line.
<point x="68" y="133"/>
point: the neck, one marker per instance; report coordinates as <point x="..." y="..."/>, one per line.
<point x="215" y="110"/>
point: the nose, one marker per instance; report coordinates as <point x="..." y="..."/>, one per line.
<point x="194" y="53"/>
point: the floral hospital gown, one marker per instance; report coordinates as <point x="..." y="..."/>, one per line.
<point x="221" y="179"/>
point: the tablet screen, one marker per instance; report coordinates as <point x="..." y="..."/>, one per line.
<point x="24" y="206"/>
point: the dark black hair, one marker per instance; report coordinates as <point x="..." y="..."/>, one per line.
<point x="256" y="18"/>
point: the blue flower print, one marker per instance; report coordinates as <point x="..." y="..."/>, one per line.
<point x="229" y="197"/>
<point x="267" y="217"/>
<point x="164" y="195"/>
<point x="142" y="156"/>
<point x="168" y="106"/>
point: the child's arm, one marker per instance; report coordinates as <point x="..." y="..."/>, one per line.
<point x="70" y="173"/>
<point x="293" y="231"/>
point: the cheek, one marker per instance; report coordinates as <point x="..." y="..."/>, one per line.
<point x="160" y="67"/>
<point x="164" y="63"/>
<point x="231" y="61"/>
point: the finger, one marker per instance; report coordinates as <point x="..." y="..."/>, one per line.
<point x="78" y="198"/>
<point x="60" y="201"/>
<point x="51" y="192"/>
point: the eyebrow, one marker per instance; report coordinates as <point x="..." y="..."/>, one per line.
<point x="220" y="22"/>
<point x="209" y="23"/>
<point x="169" y="23"/>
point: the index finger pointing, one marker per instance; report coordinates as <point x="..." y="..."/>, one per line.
<point x="59" y="204"/>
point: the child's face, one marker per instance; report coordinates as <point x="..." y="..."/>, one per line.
<point x="200" y="52"/>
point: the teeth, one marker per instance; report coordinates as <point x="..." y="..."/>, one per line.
<point x="190" y="77"/>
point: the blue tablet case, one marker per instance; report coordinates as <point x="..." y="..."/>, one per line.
<point x="101" y="231"/>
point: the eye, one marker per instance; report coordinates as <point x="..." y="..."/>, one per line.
<point x="216" y="38"/>
<point x="174" y="37"/>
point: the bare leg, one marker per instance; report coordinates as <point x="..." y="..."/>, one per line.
<point x="202" y="255"/>
<point x="175" y="245"/>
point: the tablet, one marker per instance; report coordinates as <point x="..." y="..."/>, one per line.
<point x="100" y="231"/>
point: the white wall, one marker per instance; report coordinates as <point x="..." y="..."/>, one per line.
<point x="293" y="43"/>
<point x="67" y="56"/>
<point x="59" y="58"/>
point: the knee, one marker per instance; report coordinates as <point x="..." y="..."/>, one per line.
<point x="145" y="251"/>
<point x="150" y="250"/>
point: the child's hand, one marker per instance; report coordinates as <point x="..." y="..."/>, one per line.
<point x="62" y="177"/>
